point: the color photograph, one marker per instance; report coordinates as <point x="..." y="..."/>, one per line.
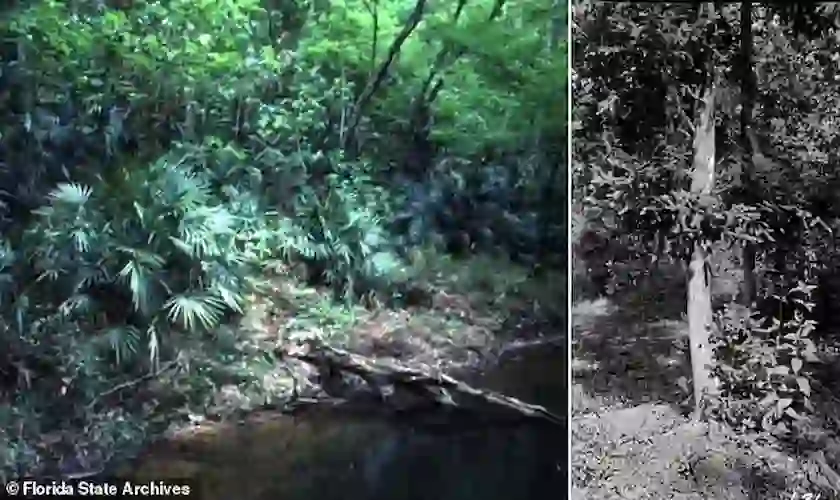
<point x="284" y="249"/>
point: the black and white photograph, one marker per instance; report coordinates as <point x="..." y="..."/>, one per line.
<point x="704" y="228"/>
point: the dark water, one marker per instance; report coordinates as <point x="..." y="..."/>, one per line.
<point x="271" y="456"/>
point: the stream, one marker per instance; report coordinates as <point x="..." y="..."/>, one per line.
<point x="274" y="456"/>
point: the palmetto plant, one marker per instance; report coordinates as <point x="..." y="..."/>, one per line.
<point x="159" y="240"/>
<point x="174" y="150"/>
<point x="348" y="240"/>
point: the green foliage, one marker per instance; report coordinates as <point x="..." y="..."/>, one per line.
<point x="159" y="157"/>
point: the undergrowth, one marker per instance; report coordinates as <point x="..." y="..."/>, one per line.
<point x="172" y="168"/>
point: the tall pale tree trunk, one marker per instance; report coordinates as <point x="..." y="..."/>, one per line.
<point x="699" y="292"/>
<point x="699" y="304"/>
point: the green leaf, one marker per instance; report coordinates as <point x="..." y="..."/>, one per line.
<point x="192" y="311"/>
<point x="71" y="194"/>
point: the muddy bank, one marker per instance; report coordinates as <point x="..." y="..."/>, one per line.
<point x="328" y="455"/>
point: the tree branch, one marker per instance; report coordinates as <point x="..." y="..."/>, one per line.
<point x="376" y="82"/>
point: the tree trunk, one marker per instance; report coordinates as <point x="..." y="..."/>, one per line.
<point x="699" y="292"/>
<point x="747" y="175"/>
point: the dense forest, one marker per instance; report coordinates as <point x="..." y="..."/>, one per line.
<point x="172" y="170"/>
<point x="705" y="218"/>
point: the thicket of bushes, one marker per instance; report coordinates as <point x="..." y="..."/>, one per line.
<point x="159" y="156"/>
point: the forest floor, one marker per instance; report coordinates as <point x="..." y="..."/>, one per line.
<point x="631" y="436"/>
<point x="475" y="312"/>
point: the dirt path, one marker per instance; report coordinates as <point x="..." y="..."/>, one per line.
<point x="630" y="438"/>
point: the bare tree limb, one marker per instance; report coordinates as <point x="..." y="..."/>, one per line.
<point x="447" y="55"/>
<point x="423" y="390"/>
<point x="376" y="82"/>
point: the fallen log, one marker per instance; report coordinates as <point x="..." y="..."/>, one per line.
<point x="423" y="395"/>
